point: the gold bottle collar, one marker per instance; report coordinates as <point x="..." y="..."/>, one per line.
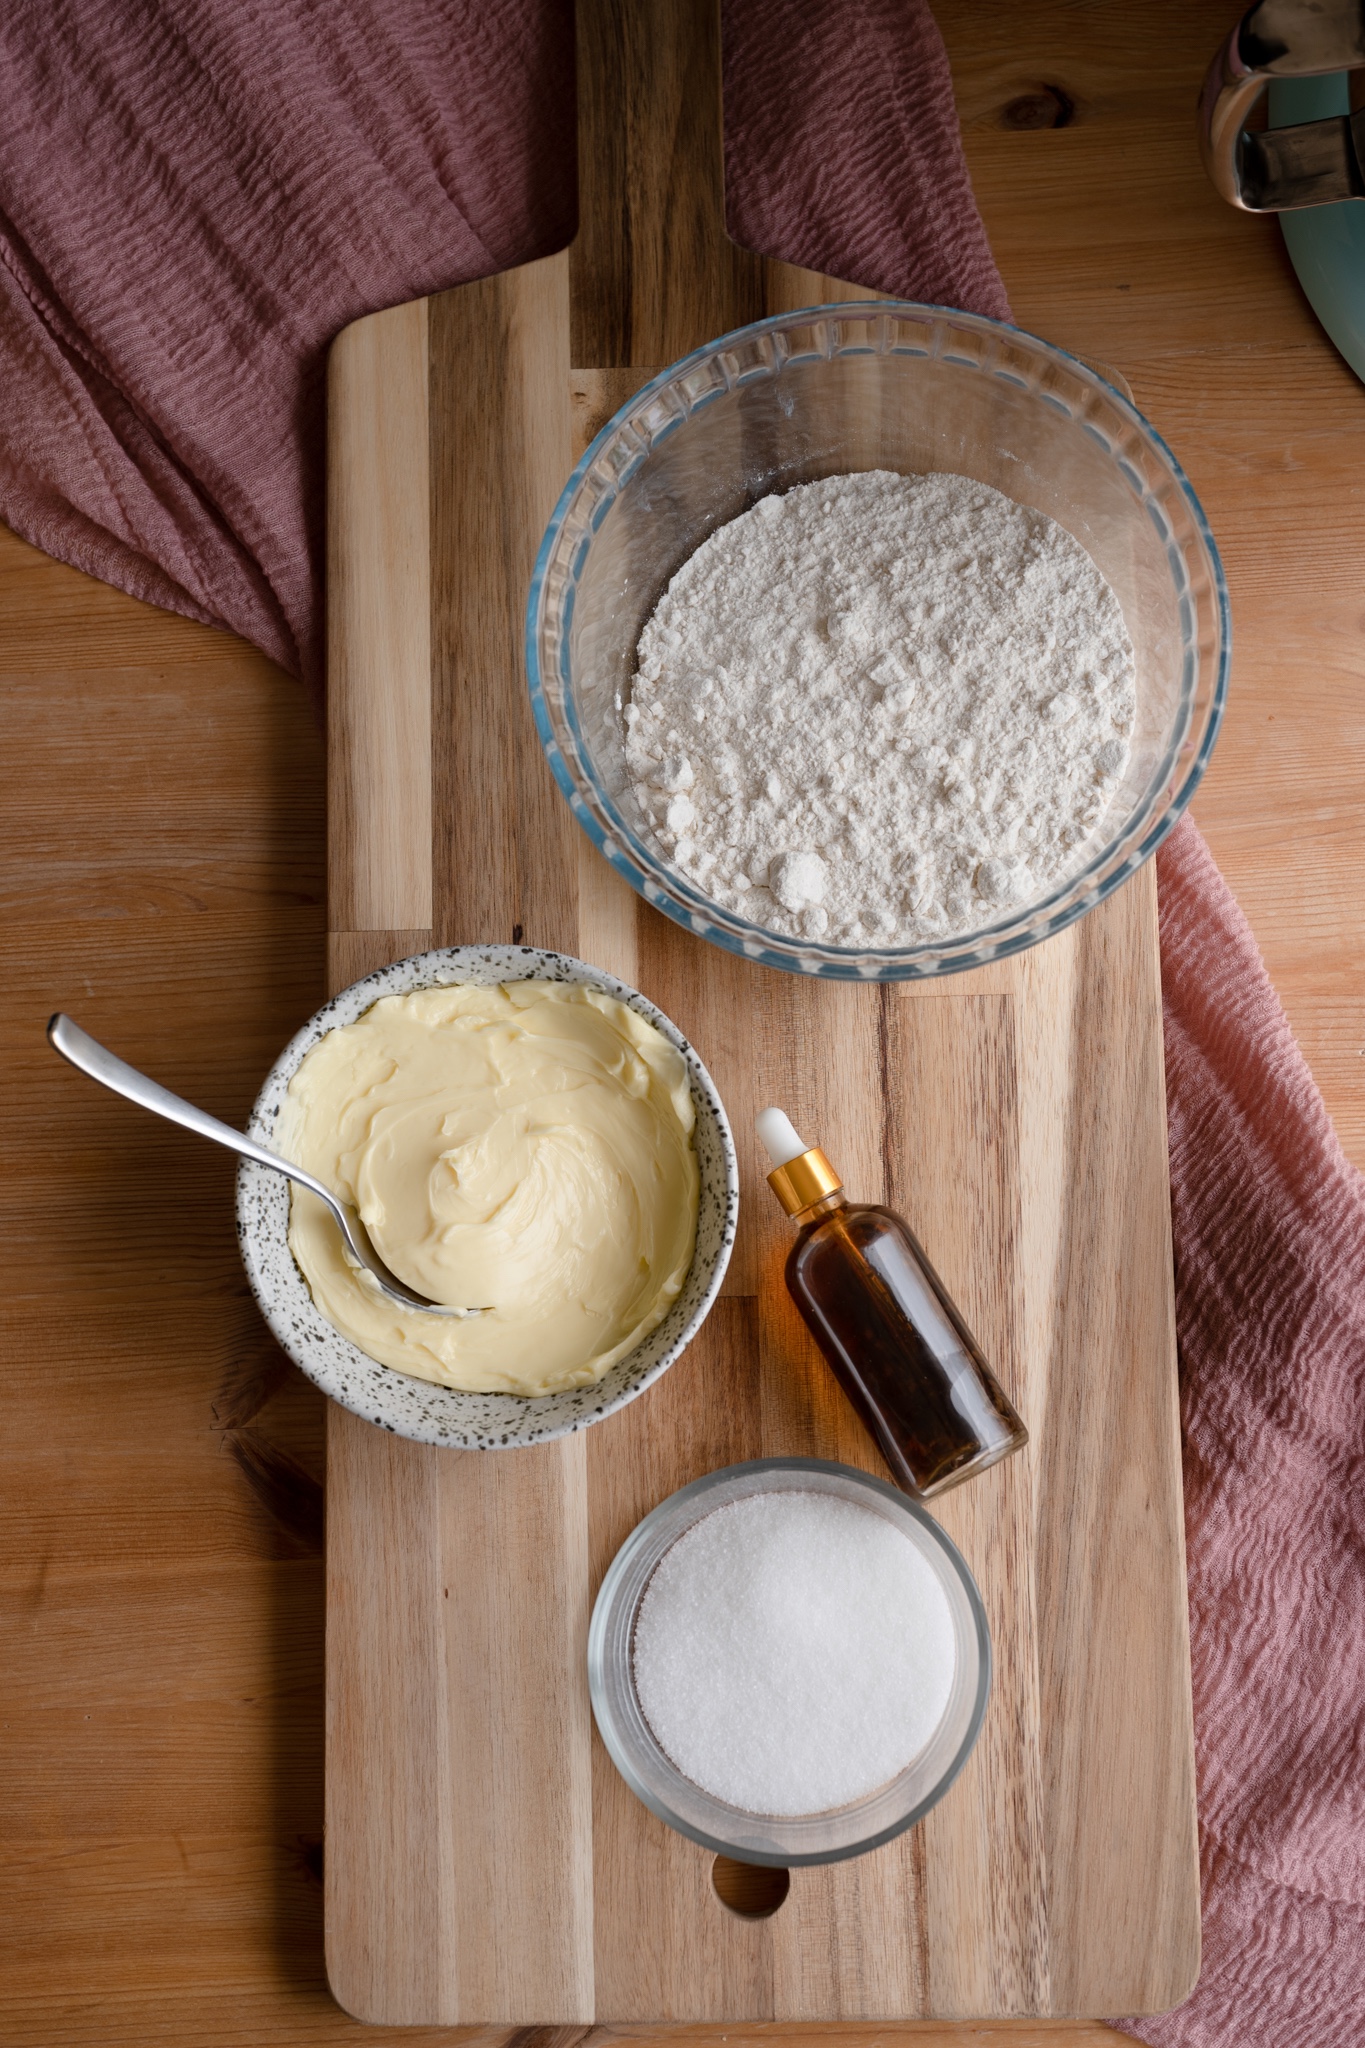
<point x="803" y="1181"/>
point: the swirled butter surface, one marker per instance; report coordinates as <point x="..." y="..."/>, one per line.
<point x="524" y="1149"/>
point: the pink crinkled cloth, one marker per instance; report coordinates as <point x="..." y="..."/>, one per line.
<point x="195" y="196"/>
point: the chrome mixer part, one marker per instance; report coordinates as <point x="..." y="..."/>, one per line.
<point x="1316" y="163"/>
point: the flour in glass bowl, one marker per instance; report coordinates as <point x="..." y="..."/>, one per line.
<point x="880" y="710"/>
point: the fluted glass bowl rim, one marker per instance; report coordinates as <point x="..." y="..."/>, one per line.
<point x="681" y="900"/>
<point x="737" y="1482"/>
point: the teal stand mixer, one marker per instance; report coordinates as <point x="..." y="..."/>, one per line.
<point x="1308" y="164"/>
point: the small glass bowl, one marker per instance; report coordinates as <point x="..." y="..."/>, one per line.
<point x="875" y="384"/>
<point x="784" y="1839"/>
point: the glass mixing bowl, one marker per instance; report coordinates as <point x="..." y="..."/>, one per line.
<point x="875" y="384"/>
<point x="781" y="1839"/>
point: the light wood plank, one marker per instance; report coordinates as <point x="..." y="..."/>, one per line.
<point x="379" y="622"/>
<point x="353" y="955"/>
<point x="504" y="851"/>
<point x="514" y="1543"/>
<point x="390" y="1869"/>
<point x="458" y="1745"/>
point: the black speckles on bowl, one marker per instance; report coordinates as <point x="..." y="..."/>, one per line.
<point x="416" y="1408"/>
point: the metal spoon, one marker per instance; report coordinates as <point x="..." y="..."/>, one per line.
<point x="101" y="1065"/>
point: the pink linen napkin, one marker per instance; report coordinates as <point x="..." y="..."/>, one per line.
<point x="195" y="196"/>
<point x="1269" y="1221"/>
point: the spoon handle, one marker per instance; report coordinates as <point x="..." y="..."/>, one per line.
<point x="101" y="1065"/>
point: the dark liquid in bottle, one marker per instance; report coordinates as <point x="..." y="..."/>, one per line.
<point x="899" y="1348"/>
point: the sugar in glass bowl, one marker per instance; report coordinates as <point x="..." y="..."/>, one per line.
<point x="782" y="1839"/>
<point x="875" y="384"/>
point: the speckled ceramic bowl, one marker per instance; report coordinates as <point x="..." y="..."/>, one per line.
<point x="415" y="1408"/>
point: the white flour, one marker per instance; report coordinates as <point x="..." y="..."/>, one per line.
<point x="880" y="709"/>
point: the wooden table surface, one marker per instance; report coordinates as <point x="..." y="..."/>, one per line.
<point x="161" y="784"/>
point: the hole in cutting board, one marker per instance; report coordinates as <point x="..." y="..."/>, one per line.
<point x="753" y="1890"/>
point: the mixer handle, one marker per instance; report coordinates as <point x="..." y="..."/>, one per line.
<point x="1314" y="164"/>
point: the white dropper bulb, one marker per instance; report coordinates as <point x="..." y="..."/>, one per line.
<point x="777" y="1135"/>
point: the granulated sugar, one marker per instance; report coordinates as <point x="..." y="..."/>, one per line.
<point x="880" y="709"/>
<point x="793" y="1652"/>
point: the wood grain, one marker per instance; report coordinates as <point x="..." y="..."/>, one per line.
<point x="499" y="427"/>
<point x="162" y="790"/>
<point x="453" y="1582"/>
<point x="379" y="623"/>
<point x="541" y="1889"/>
<point x="649" y="153"/>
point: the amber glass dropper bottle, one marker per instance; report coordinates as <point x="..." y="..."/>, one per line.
<point x="884" y="1320"/>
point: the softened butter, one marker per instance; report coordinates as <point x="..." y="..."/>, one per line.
<point x="526" y="1150"/>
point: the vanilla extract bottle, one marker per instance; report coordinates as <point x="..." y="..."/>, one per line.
<point x="887" y="1325"/>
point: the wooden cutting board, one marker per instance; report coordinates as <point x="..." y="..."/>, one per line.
<point x="484" y="1862"/>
